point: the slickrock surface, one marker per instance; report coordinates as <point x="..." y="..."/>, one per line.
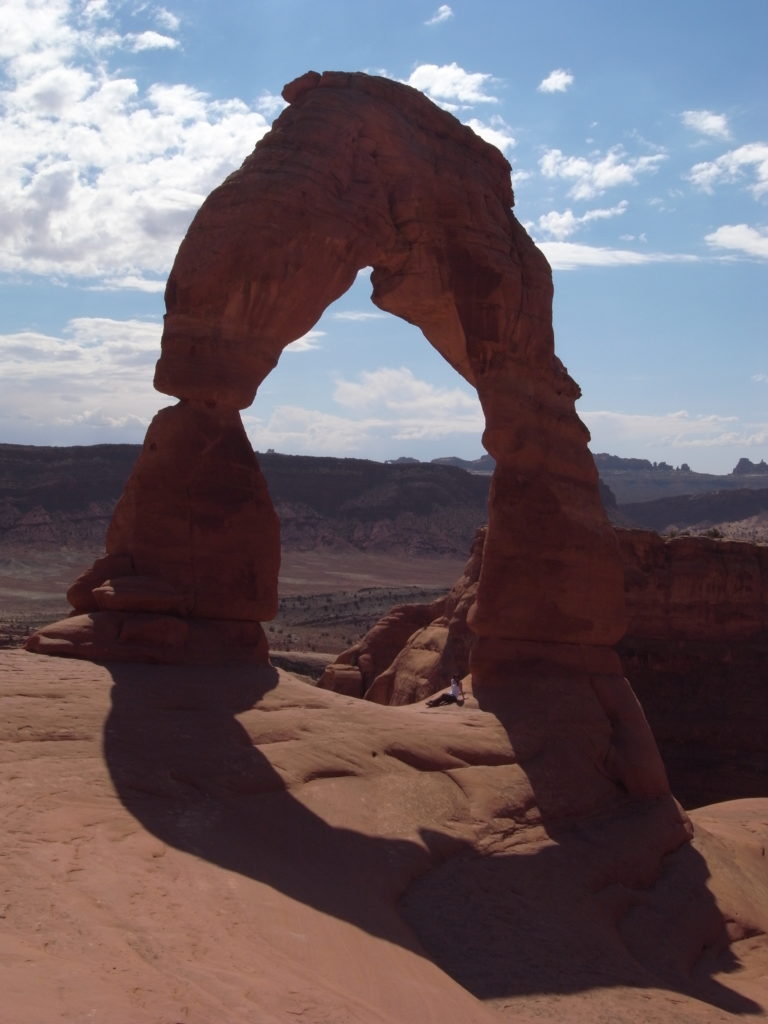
<point x="192" y="845"/>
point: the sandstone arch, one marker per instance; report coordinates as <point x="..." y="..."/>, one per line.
<point x="358" y="171"/>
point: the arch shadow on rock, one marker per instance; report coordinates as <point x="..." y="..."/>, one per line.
<point x="504" y="926"/>
<point x="526" y="924"/>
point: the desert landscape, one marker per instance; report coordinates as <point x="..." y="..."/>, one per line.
<point x="226" y="798"/>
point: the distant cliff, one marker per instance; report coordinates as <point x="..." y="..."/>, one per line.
<point x="638" y="480"/>
<point x="56" y="497"/>
<point x="63" y="497"/>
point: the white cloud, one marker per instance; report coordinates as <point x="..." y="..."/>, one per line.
<point x="130" y="282"/>
<point x="89" y="345"/>
<point x="451" y="86"/>
<point x="166" y="19"/>
<point x="399" y="390"/>
<point x="741" y="238"/>
<point x="307" y="432"/>
<point x="706" y="123"/>
<point x="760" y="378"/>
<point x="560" y="226"/>
<point x="443" y="13"/>
<point x="497" y="132"/>
<point x="380" y="405"/>
<point x="358" y="315"/>
<point x="67" y="389"/>
<point x="593" y="177"/>
<point x="572" y="255"/>
<point x="150" y="41"/>
<point x="270" y="104"/>
<point x="732" y="166"/>
<point x="556" y="81"/>
<point x="99" y="177"/>
<point x="101" y="420"/>
<point x="672" y="430"/>
<point x="308" y="342"/>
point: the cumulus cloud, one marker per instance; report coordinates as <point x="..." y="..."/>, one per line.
<point x="497" y="132"/>
<point x="715" y="126"/>
<point x="592" y="177"/>
<point x="399" y="389"/>
<point x="358" y="315"/>
<point x="166" y="19"/>
<point x="573" y="255"/>
<point x="378" y="406"/>
<point x="560" y="226"/>
<point x="443" y="13"/>
<point x="270" y="104"/>
<point x="451" y="86"/>
<point x="69" y="388"/>
<point x="300" y="431"/>
<point x="556" y="81"/>
<point x="99" y="176"/>
<point x="740" y="238"/>
<point x="308" y="342"/>
<point x="149" y="40"/>
<point x="672" y="430"/>
<point x="733" y="167"/>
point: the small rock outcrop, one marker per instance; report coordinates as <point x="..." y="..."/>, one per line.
<point x="695" y="652"/>
<point x="745" y="467"/>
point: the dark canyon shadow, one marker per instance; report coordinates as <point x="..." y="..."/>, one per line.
<point x="509" y="927"/>
<point x="188" y="771"/>
<point x="185" y="768"/>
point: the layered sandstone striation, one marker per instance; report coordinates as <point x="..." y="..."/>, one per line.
<point x="696" y="651"/>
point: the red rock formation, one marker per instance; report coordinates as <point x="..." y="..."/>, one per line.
<point x="347" y="178"/>
<point x="695" y="652"/>
<point x="693" y="588"/>
<point x="357" y="172"/>
<point x="192" y="553"/>
<point x="412" y="651"/>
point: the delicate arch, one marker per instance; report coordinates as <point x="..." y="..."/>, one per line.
<point x="357" y="171"/>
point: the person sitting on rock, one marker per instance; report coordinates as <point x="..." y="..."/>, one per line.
<point x="455" y="695"/>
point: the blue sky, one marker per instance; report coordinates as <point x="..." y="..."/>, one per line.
<point x="639" y="145"/>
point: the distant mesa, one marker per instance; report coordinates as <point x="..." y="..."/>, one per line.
<point x="64" y="497"/>
<point x="485" y="464"/>
<point x="744" y="467"/>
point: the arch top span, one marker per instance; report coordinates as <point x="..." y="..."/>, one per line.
<point x="357" y="171"/>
